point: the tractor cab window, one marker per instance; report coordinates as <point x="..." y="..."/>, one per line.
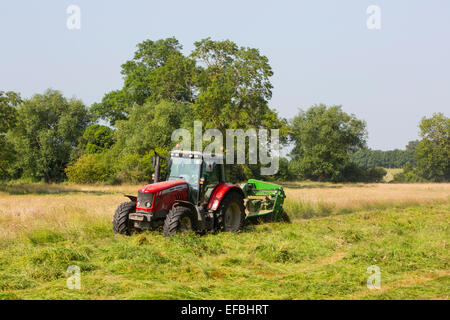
<point x="187" y="169"/>
<point x="211" y="180"/>
<point x="212" y="176"/>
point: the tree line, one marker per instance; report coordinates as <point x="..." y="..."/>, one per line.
<point x="51" y="138"/>
<point x="392" y="159"/>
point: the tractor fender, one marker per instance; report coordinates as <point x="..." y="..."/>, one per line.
<point x="220" y="193"/>
<point x="132" y="198"/>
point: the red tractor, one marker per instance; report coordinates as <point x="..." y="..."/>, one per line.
<point x="193" y="196"/>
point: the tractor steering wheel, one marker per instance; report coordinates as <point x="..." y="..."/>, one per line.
<point x="185" y="177"/>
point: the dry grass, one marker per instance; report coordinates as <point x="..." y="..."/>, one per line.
<point x="27" y="208"/>
<point x="355" y="196"/>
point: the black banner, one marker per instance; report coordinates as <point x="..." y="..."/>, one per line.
<point x="222" y="309"/>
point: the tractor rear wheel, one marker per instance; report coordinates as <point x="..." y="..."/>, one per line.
<point x="231" y="213"/>
<point x="121" y="222"/>
<point x="179" y="220"/>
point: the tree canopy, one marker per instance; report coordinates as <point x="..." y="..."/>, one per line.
<point x="95" y="139"/>
<point x="324" y="138"/>
<point x="387" y="159"/>
<point x="150" y="126"/>
<point x="45" y="134"/>
<point x="433" y="151"/>
<point x="158" y="71"/>
<point x="229" y="86"/>
<point x="234" y="86"/>
<point x="8" y="104"/>
<point x="8" y="116"/>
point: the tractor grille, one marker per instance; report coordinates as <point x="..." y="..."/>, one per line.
<point x="143" y="200"/>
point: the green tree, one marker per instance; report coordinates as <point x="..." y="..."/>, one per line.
<point x="229" y="85"/>
<point x="409" y="174"/>
<point x="150" y="126"/>
<point x="95" y="139"/>
<point x="368" y="158"/>
<point x="8" y="113"/>
<point x="158" y="71"/>
<point x="47" y="131"/>
<point x="90" y="168"/>
<point x="8" y="105"/>
<point x="220" y="84"/>
<point x="114" y="107"/>
<point x="234" y="87"/>
<point x="411" y="146"/>
<point x="433" y="151"/>
<point x="284" y="173"/>
<point x="325" y="138"/>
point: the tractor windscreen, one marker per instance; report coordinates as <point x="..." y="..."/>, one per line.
<point x="187" y="169"/>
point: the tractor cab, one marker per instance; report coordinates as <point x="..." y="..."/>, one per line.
<point x="202" y="172"/>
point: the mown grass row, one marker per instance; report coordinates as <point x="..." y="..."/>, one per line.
<point x="325" y="258"/>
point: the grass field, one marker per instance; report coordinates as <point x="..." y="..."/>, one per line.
<point x="337" y="232"/>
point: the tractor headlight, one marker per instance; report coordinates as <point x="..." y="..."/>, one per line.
<point x="145" y="200"/>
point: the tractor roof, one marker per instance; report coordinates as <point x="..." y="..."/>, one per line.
<point x="195" y="155"/>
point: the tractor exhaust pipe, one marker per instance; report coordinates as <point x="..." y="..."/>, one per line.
<point x="156" y="165"/>
<point x="157" y="169"/>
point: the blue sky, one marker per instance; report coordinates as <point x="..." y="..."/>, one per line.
<point x="321" y="51"/>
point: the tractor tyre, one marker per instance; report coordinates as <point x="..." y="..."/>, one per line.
<point x="231" y="213"/>
<point x="121" y="223"/>
<point x="178" y="220"/>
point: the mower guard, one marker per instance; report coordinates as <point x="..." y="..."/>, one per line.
<point x="263" y="199"/>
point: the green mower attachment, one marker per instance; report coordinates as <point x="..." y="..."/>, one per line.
<point x="264" y="200"/>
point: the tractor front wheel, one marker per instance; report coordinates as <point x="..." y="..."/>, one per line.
<point x="121" y="222"/>
<point x="231" y="213"/>
<point x="179" y="220"/>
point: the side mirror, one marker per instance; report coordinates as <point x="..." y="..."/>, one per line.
<point x="210" y="167"/>
<point x="153" y="163"/>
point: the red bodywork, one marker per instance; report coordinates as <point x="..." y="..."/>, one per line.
<point x="165" y="194"/>
<point x="219" y="193"/>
